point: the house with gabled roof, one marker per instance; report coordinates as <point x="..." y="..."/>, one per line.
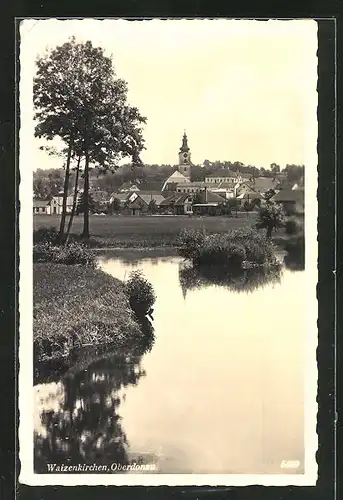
<point x="292" y="200"/>
<point x="263" y="184"/>
<point x="177" y="204"/>
<point x="244" y="188"/>
<point x="128" y="187"/>
<point x="41" y="207"/>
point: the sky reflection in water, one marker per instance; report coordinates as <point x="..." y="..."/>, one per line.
<point x="221" y="390"/>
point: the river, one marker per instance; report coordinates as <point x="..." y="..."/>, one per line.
<point x="219" y="391"/>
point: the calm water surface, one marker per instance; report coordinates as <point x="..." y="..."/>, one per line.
<point x="220" y="391"/>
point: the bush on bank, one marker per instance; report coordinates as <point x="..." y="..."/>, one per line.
<point x="76" y="306"/>
<point x="232" y="249"/>
<point x="140" y="293"/>
<point x="70" y="254"/>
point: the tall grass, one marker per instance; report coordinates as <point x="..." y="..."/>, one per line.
<point x="76" y="306"/>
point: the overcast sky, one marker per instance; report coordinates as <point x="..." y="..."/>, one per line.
<point x="243" y="90"/>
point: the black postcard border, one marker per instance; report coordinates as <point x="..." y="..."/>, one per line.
<point x="327" y="189"/>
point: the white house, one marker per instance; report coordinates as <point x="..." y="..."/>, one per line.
<point x="228" y="177"/>
<point x="41" y="207"/>
<point x="191" y="187"/>
<point x="56" y="204"/>
<point x="243" y="188"/>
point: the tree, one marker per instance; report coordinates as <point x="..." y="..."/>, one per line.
<point x="85" y="203"/>
<point x="47" y="183"/>
<point x="225" y="208"/>
<point x="248" y="206"/>
<point x="270" y="216"/>
<point x="115" y="206"/>
<point x="152" y="207"/>
<point x="294" y="172"/>
<point x="76" y="192"/>
<point x="78" y="99"/>
<point x="275" y="168"/>
<point x="233" y="204"/>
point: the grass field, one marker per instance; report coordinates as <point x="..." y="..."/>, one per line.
<point x="154" y="230"/>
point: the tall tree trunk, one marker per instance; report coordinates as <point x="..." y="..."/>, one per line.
<point x="74" y="198"/>
<point x="85" y="233"/>
<point x="65" y="193"/>
<point x="269" y="231"/>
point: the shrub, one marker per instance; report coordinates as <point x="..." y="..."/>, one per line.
<point x="72" y="253"/>
<point x="45" y="234"/>
<point x="248" y="206"/>
<point x="43" y="252"/>
<point x="140" y="293"/>
<point x="190" y="241"/>
<point x="218" y="249"/>
<point x="258" y="248"/>
<point x="271" y="216"/>
<point x="228" y="249"/>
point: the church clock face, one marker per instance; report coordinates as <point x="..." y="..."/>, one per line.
<point x="185" y="155"/>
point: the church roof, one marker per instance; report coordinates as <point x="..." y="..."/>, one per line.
<point x="175" y="177"/>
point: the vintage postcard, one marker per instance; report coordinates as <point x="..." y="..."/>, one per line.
<point x="168" y="252"/>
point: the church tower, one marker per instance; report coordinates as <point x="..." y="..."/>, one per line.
<point x="185" y="158"/>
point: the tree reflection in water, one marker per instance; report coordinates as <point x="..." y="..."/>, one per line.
<point x="83" y="425"/>
<point x="236" y="280"/>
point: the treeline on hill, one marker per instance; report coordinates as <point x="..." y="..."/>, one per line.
<point x="49" y="182"/>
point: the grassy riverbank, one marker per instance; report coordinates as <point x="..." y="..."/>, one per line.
<point x="146" y="231"/>
<point x="151" y="231"/>
<point x="76" y="306"/>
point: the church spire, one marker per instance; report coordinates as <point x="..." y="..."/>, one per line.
<point x="184" y="148"/>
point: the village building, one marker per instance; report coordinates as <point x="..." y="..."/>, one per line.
<point x="292" y="200"/>
<point x="137" y="203"/>
<point x="191" y="187"/>
<point x="288" y="185"/>
<point x="41" y="207"/>
<point x="56" y="204"/>
<point x="263" y="184"/>
<point x="52" y="207"/>
<point x="244" y="188"/>
<point x="207" y="202"/>
<point x="128" y="187"/>
<point x="224" y="188"/>
<point x="225" y="176"/>
<point x="177" y="204"/>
